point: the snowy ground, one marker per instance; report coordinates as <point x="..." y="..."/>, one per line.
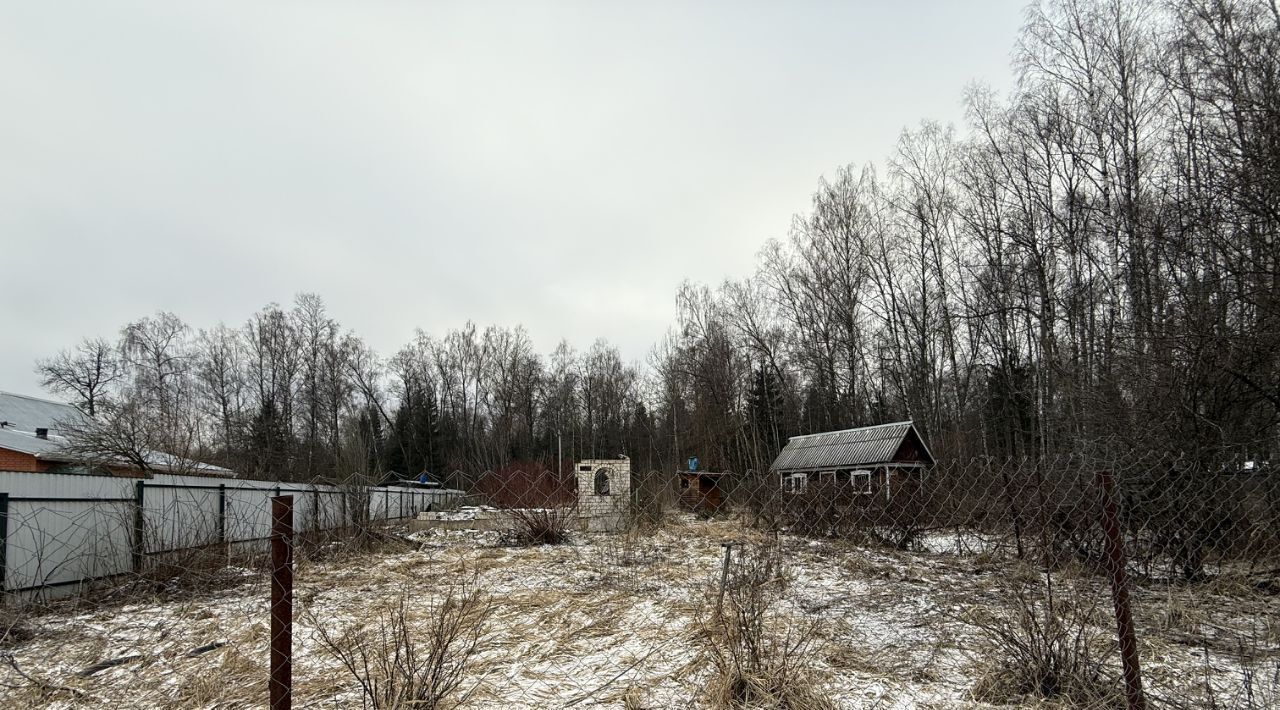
<point x="616" y="621"/>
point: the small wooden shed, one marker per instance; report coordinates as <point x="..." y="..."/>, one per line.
<point x="702" y="491"/>
<point x="864" y="461"/>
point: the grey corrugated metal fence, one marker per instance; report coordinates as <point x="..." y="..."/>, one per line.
<point x="58" y="532"/>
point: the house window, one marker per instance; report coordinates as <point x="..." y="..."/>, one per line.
<point x="795" y="483"/>
<point x="860" y="481"/>
<point x="827" y="478"/>
<point x="602" y="482"/>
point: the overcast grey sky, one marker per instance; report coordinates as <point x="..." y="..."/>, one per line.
<point x="560" y="165"/>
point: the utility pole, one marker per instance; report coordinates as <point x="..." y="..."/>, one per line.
<point x="675" y="438"/>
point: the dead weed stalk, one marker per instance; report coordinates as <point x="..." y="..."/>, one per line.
<point x="1049" y="644"/>
<point x="402" y="660"/>
<point x="762" y="657"/>
<point x="539" y="526"/>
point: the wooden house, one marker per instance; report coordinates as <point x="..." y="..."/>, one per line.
<point x="874" y="460"/>
<point x="702" y="491"/>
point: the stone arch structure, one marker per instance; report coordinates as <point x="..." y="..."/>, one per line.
<point x="600" y="483"/>
<point x="604" y="493"/>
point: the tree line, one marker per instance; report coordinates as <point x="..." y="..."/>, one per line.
<point x="292" y="395"/>
<point x="1092" y="261"/>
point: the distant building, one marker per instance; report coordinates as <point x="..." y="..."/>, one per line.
<point x="702" y="491"/>
<point x="33" y="438"/>
<point x="865" y="461"/>
<point x="604" y="493"/>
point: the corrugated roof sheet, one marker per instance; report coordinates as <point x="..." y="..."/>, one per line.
<point x="31" y="413"/>
<point x="28" y="443"/>
<point x="844" y="449"/>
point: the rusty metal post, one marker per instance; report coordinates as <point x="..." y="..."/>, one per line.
<point x="1012" y="504"/>
<point x="281" y="679"/>
<point x="1120" y="593"/>
<point x="724" y="576"/>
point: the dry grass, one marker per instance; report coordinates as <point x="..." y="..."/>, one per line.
<point x="609" y="621"/>
<point x="336" y="544"/>
<point x="633" y="546"/>
<point x="14" y="629"/>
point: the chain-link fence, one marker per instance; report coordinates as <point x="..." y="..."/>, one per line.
<point x="1081" y="583"/>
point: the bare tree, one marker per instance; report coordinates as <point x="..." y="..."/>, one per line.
<point x="86" y="372"/>
<point x="135" y="436"/>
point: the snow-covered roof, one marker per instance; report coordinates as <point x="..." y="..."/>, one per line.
<point x="27" y="442"/>
<point x="27" y="413"/>
<point x="168" y="463"/>
<point x="21" y="415"/>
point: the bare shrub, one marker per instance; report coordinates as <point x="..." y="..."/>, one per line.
<point x="760" y="655"/>
<point x="402" y="660"/>
<point x="539" y="526"/>
<point x="1258" y="686"/>
<point x="817" y="512"/>
<point x="1240" y="671"/>
<point x="190" y="569"/>
<point x="34" y="689"/>
<point x="1046" y="644"/>
<point x="895" y="518"/>
<point x="180" y="573"/>
<point x="632" y="546"/>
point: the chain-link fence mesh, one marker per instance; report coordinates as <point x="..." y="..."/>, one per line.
<point x="962" y="584"/>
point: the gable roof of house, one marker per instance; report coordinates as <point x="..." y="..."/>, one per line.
<point x="848" y="448"/>
<point x="21" y="416"/>
<point x="25" y="413"/>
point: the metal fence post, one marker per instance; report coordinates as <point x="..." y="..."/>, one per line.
<point x="724" y="576"/>
<point x="139" y="525"/>
<point x="1012" y="504"/>
<point x="4" y="540"/>
<point x="281" y="679"/>
<point x="222" y="513"/>
<point x="1114" y="544"/>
